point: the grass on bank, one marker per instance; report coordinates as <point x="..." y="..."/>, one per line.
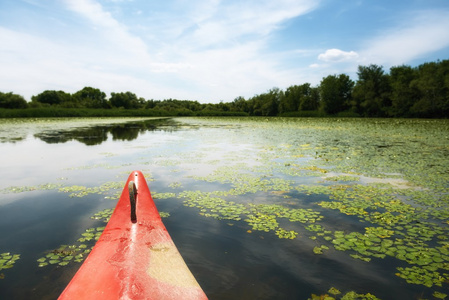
<point x="54" y="112"/>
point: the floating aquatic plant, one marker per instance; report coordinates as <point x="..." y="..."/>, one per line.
<point x="286" y="234"/>
<point x="389" y="183"/>
<point x="320" y="249"/>
<point x="7" y="261"/>
<point x="21" y="189"/>
<point x="82" y="191"/>
<point x="175" y="185"/>
<point x="103" y="215"/>
<point x="161" y="196"/>
<point x="389" y="180"/>
<point x="74" y="190"/>
<point x="164" y="214"/>
<point x="89" y="167"/>
<point x="383" y="181"/>
<point x="66" y="254"/>
<point x="343" y="178"/>
<point x="262" y="222"/>
<point x="439" y="295"/>
<point x="377" y="204"/>
<point x="336" y="294"/>
<point x="260" y="217"/>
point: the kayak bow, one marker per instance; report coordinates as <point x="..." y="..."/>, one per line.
<point x="135" y="257"/>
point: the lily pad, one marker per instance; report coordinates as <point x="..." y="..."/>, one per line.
<point x="7" y="261"/>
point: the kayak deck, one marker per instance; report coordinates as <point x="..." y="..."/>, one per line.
<point x="135" y="257"/>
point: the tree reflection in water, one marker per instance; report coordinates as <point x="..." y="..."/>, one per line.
<point x="97" y="134"/>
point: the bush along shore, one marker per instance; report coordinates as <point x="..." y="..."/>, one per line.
<point x="52" y="112"/>
<point x="405" y="91"/>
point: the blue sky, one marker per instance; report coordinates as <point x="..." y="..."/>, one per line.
<point x="209" y="51"/>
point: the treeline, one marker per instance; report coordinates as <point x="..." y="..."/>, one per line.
<point x="422" y="91"/>
<point x="404" y="91"/>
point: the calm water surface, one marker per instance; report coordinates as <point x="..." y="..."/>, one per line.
<point x="56" y="174"/>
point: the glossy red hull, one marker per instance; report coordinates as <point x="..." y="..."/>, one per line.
<point x="134" y="259"/>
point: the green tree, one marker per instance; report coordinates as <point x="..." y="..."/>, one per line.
<point x="151" y="103"/>
<point x="10" y="100"/>
<point x="298" y="98"/>
<point x="90" y="97"/>
<point x="126" y="100"/>
<point x="221" y="106"/>
<point x="403" y="93"/>
<point x="291" y="100"/>
<point x="266" y="104"/>
<point x="270" y="102"/>
<point x="310" y="98"/>
<point x="52" y="97"/>
<point x="371" y="91"/>
<point x="239" y="104"/>
<point x="335" y="91"/>
<point x="433" y="85"/>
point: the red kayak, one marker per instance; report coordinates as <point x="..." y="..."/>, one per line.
<point x="135" y="257"/>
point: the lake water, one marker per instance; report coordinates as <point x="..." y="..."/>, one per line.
<point x="259" y="208"/>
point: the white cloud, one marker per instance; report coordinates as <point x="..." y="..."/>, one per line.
<point x="114" y="32"/>
<point x="218" y="24"/>
<point x="423" y="33"/>
<point x="208" y="55"/>
<point x="337" y="55"/>
<point x="226" y="47"/>
<point x="55" y="66"/>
